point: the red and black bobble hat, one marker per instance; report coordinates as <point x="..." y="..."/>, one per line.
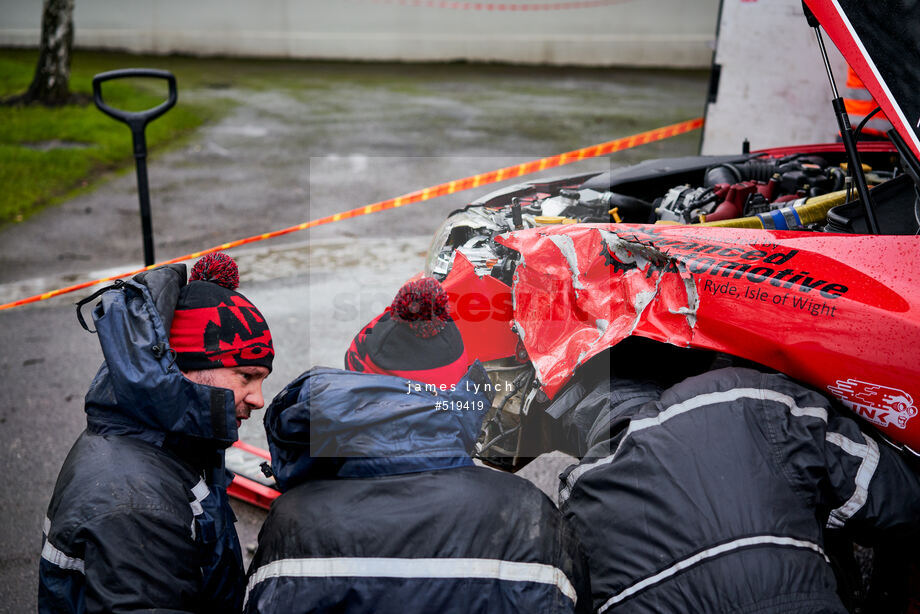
<point x="414" y="338"/>
<point x="214" y="326"/>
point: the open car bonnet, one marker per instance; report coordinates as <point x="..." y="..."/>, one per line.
<point x="879" y="41"/>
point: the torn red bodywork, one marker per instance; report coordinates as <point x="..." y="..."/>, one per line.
<point x="482" y="309"/>
<point x="841" y="312"/>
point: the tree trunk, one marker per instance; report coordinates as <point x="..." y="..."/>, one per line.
<point x="51" y="83"/>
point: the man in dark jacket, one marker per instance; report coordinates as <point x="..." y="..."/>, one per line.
<point x="139" y="519"/>
<point x="382" y="508"/>
<point x="714" y="495"/>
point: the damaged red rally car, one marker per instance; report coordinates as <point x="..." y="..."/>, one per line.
<point x="798" y="259"/>
<point x="771" y="256"/>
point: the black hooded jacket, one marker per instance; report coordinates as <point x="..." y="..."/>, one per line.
<point x="139" y="520"/>
<point x="714" y="495"/>
<point x="383" y="511"/>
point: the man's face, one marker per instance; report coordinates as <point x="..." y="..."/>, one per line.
<point x="245" y="382"/>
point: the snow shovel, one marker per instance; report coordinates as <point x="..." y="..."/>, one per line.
<point x="137" y="121"/>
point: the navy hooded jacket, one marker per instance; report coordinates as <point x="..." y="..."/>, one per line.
<point x="139" y="519"/>
<point x="384" y="511"/>
<point x="715" y="495"/>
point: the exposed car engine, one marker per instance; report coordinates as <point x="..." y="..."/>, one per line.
<point x="798" y="191"/>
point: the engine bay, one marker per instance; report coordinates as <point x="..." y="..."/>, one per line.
<point x="805" y="190"/>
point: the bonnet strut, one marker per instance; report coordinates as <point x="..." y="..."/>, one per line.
<point x="846" y="132"/>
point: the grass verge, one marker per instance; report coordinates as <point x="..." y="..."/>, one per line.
<point x="49" y="154"/>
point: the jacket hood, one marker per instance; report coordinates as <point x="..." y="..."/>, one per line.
<point x="332" y="423"/>
<point x="139" y="390"/>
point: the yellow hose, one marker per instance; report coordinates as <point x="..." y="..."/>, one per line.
<point x="798" y="215"/>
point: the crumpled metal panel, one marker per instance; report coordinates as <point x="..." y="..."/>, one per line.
<point x="841" y="312"/>
<point x="482" y="309"/>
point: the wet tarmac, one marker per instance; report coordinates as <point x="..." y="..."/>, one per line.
<point x="322" y="139"/>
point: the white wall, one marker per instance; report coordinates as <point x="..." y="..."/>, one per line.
<point x="773" y="88"/>
<point x="671" y="33"/>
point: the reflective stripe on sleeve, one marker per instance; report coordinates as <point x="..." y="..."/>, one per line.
<point x="55" y="556"/>
<point x="703" y="400"/>
<point x="200" y="491"/>
<point x="758" y="540"/>
<point x="360" y="567"/>
<point x="869" y="454"/>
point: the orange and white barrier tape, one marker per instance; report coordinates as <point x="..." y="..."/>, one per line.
<point x="442" y="189"/>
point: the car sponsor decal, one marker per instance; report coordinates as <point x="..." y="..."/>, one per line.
<point x="881" y="405"/>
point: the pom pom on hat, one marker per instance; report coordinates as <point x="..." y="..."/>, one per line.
<point x="218" y="268"/>
<point x="422" y="305"/>
<point x="414" y="338"/>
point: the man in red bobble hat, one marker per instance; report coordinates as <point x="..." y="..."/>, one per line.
<point x="414" y="338"/>
<point x="220" y="338"/>
<point x="382" y="509"/>
<point x="139" y="519"/>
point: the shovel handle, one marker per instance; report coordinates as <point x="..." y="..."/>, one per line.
<point x="136" y="120"/>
